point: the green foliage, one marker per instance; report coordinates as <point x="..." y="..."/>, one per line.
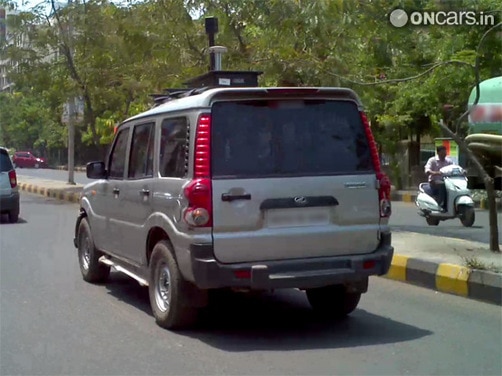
<point x="26" y="123"/>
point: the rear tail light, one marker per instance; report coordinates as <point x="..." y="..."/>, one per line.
<point x="383" y="182"/>
<point x="198" y="192"/>
<point x="242" y="274"/>
<point x="13" y="179"/>
<point x="369" y="264"/>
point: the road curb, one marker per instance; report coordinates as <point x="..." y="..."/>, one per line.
<point x="57" y="193"/>
<point x="449" y="278"/>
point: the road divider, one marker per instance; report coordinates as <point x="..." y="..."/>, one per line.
<point x="60" y="194"/>
<point x="449" y="278"/>
<point x="65" y="168"/>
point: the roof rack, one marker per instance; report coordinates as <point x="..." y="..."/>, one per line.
<point x="171" y="94"/>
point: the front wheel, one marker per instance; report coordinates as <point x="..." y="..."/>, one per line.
<point x="432" y="221"/>
<point x="88" y="256"/>
<point x="168" y="291"/>
<point x="467" y="216"/>
<point x="333" y="301"/>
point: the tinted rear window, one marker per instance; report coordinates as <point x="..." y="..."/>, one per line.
<point x="5" y="163"/>
<point x="263" y="138"/>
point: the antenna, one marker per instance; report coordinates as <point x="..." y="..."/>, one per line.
<point x="211" y="30"/>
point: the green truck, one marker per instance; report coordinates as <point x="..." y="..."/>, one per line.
<point x="485" y="132"/>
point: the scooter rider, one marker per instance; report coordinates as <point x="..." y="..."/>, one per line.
<point x="432" y="167"/>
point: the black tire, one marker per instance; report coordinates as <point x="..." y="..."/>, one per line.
<point x="173" y="311"/>
<point x="14" y="216"/>
<point x="88" y="256"/>
<point x="432" y="221"/>
<point x="467" y="216"/>
<point x="333" y="301"/>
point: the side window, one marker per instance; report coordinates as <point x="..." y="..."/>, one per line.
<point x="117" y="158"/>
<point x="173" y="144"/>
<point x="141" y="158"/>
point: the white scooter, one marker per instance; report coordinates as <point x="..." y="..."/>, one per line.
<point x="459" y="203"/>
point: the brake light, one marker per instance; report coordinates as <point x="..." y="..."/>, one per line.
<point x="198" y="192"/>
<point x="383" y="181"/>
<point x="292" y="91"/>
<point x="13" y="179"/>
<point x="202" y="163"/>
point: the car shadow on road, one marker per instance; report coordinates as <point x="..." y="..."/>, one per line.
<point x="282" y="321"/>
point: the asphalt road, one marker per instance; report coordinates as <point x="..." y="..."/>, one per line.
<point x="53" y="323"/>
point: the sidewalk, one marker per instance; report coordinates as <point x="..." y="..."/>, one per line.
<point x="440" y="263"/>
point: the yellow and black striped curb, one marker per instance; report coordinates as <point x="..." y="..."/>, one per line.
<point x="65" y="168"/>
<point x="449" y="278"/>
<point x="57" y="193"/>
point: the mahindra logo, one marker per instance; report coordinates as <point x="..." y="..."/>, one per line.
<point x="300" y="200"/>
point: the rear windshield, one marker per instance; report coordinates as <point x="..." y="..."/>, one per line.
<point x="5" y="163"/>
<point x="263" y="138"/>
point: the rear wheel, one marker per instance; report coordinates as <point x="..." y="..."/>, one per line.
<point x="432" y="221"/>
<point x="13" y="216"/>
<point x="333" y="301"/>
<point x="467" y="216"/>
<point x="88" y="256"/>
<point x="169" y="292"/>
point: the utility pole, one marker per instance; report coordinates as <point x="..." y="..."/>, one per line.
<point x="71" y="110"/>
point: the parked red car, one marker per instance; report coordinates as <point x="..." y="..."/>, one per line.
<point x="27" y="159"/>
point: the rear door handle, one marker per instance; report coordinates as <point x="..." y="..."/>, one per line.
<point x="145" y="192"/>
<point x="229" y="197"/>
<point x="116" y="191"/>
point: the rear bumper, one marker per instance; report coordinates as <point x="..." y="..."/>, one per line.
<point x="9" y="202"/>
<point x="295" y="273"/>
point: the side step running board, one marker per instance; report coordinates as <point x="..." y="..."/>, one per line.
<point x="105" y="260"/>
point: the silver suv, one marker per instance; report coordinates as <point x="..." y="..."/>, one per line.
<point x="248" y="188"/>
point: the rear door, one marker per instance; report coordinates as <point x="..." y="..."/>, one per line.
<point x="292" y="178"/>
